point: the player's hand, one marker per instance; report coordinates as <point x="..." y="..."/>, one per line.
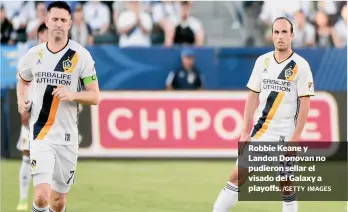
<point x="62" y="94"/>
<point x="24" y="107"/>
<point x="244" y="139"/>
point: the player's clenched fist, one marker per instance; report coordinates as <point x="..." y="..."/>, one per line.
<point x="24" y="107"/>
<point x="63" y="94"/>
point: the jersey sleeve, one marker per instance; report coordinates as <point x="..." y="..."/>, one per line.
<point x="254" y="83"/>
<point x="24" y="67"/>
<point x="305" y="85"/>
<point x="87" y="73"/>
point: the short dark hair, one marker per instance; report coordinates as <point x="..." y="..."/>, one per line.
<point x="283" y="18"/>
<point x="41" y="28"/>
<point x="185" y="2"/>
<point x="59" y="5"/>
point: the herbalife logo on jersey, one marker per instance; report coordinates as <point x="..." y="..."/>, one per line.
<point x="276" y="85"/>
<point x="53" y="78"/>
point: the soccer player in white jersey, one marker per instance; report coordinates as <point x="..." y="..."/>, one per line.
<point x="23" y="143"/>
<point x="282" y="82"/>
<point x="58" y="70"/>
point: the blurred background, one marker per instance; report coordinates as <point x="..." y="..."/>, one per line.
<point x="173" y="76"/>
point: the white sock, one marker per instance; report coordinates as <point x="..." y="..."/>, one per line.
<point x="37" y="209"/>
<point x="24" y="178"/>
<point x="227" y="198"/>
<point x="290" y="203"/>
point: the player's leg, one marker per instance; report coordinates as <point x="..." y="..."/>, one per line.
<point x="24" y="181"/>
<point x="57" y="202"/>
<point x="64" y="176"/>
<point x="42" y="165"/>
<point x="290" y="203"/>
<point x="24" y="171"/>
<point x="229" y="194"/>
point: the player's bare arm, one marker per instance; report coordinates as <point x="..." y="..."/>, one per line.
<point x="249" y="111"/>
<point x="302" y="117"/>
<point x="90" y="96"/>
<point x="22" y="89"/>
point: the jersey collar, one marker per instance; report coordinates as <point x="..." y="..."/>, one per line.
<point x="59" y="50"/>
<point x="283" y="60"/>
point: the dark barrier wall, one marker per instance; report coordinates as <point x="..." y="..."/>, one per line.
<point x="3" y="126"/>
<point x="223" y="68"/>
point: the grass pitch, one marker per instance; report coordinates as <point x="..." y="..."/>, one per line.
<point x="148" y="186"/>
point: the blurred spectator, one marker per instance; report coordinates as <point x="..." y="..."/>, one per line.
<point x="12" y="8"/>
<point x="33" y="25"/>
<point x="339" y="31"/>
<point x="80" y="31"/>
<point x="304" y="31"/>
<point x="329" y="8"/>
<point x="187" y="77"/>
<point x="26" y="14"/>
<point x="274" y="9"/>
<point x="166" y="15"/>
<point x="6" y="28"/>
<point x="189" y="30"/>
<point x="42" y="33"/>
<point x="134" y="26"/>
<point x="323" y="35"/>
<point x="97" y="15"/>
<point x="72" y="4"/>
<point x="19" y="13"/>
<point x="117" y="8"/>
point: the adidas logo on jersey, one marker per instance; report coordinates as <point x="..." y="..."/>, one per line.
<point x="265" y="70"/>
<point x="38" y="62"/>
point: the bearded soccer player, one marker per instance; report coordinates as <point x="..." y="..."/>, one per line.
<point x="282" y="82"/>
<point x="57" y="70"/>
<point x="23" y="143"/>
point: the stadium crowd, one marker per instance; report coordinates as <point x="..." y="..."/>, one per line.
<point x="148" y="23"/>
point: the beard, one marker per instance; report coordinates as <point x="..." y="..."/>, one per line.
<point x="282" y="48"/>
<point x="57" y="37"/>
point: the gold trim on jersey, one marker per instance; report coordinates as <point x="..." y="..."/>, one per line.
<point x="270" y="115"/>
<point x="50" y="120"/>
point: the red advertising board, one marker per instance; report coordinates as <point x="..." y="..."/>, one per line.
<point x="185" y="124"/>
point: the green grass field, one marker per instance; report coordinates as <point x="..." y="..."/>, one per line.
<point x="148" y="186"/>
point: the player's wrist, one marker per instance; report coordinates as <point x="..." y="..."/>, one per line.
<point x="73" y="96"/>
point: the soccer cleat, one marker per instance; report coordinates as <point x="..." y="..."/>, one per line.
<point x="22" y="206"/>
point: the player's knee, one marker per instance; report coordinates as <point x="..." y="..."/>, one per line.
<point x="58" y="202"/>
<point x="42" y="194"/>
<point x="41" y="199"/>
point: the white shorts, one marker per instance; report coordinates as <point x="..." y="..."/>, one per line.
<point x="245" y="162"/>
<point x="23" y="141"/>
<point x="53" y="164"/>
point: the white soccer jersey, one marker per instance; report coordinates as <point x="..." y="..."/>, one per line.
<point x="280" y="86"/>
<point x="52" y="120"/>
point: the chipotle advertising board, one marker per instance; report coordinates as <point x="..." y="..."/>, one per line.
<point x="188" y="124"/>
